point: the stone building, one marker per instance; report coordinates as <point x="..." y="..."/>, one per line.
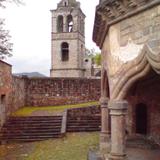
<point x="128" y="34"/>
<point x="68" y="40"/>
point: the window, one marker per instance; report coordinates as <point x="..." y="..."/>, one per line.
<point x="65" y="3"/>
<point x="69" y="23"/>
<point x="65" y="51"/>
<point x="60" y="24"/>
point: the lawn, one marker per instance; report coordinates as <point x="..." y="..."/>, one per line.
<point x="74" y="146"/>
<point x="27" y="111"/>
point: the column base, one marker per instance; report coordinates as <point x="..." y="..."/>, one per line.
<point x="105" y="142"/>
<point x="117" y="157"/>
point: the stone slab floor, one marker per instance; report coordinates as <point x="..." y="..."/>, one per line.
<point x="143" y="154"/>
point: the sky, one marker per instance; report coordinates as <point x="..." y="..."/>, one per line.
<point x="30" y="28"/>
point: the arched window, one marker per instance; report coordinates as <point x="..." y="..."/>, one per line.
<point x="65" y="51"/>
<point x="69" y="23"/>
<point x="65" y="3"/>
<point x="60" y="24"/>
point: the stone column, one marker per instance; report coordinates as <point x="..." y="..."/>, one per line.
<point x="65" y="24"/>
<point x="105" y="130"/>
<point x="118" y="125"/>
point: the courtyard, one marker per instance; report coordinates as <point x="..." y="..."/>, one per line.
<point x="75" y="146"/>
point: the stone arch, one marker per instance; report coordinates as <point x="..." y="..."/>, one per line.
<point x="64" y="51"/>
<point x="60" y="23"/>
<point x="69" y="23"/>
<point x="135" y="70"/>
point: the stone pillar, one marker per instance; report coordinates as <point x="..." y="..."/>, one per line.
<point x="65" y="24"/>
<point x="118" y="125"/>
<point x="105" y="129"/>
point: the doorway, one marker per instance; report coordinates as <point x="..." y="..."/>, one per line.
<point x="141" y="118"/>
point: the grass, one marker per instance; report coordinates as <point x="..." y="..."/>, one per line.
<point x="27" y="111"/>
<point x="74" y="147"/>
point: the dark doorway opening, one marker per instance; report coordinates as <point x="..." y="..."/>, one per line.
<point x="3" y="99"/>
<point x="141" y="118"/>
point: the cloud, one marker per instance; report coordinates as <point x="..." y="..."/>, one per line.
<point x="30" y="28"/>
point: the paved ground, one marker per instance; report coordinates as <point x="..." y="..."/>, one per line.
<point x="143" y="154"/>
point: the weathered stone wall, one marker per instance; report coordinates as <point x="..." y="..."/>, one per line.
<point x="58" y="91"/>
<point x="17" y="96"/>
<point x="148" y="93"/>
<point x="5" y="89"/>
<point x="142" y="28"/>
<point x="129" y="37"/>
<point x="84" y="111"/>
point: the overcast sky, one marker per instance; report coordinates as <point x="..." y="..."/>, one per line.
<point x="30" y="28"/>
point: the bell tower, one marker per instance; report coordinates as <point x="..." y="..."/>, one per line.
<point x="68" y="40"/>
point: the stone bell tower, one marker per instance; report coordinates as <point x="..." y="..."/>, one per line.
<point x="68" y="40"/>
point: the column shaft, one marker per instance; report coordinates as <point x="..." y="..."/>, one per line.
<point x="118" y="125"/>
<point x="105" y="130"/>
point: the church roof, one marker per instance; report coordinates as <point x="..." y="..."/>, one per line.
<point x="72" y="3"/>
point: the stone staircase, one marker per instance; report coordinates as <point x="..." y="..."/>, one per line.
<point x="84" y="123"/>
<point x="32" y="128"/>
<point x="36" y="128"/>
<point x="86" y="119"/>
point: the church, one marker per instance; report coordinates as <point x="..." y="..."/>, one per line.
<point x="68" y="57"/>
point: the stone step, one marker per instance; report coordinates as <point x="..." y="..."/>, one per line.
<point x="32" y="124"/>
<point x="86" y="129"/>
<point x="83" y="125"/>
<point x="83" y="122"/>
<point x="22" y="140"/>
<point x="85" y="118"/>
<point x="29" y="138"/>
<point x="30" y="134"/>
<point x="34" y="117"/>
<point x="31" y="128"/>
<point x="34" y="121"/>
<point x="13" y="131"/>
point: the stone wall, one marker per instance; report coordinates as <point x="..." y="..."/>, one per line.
<point x="5" y="90"/>
<point x="142" y="28"/>
<point x="59" y="91"/>
<point x="18" y="94"/>
<point x="86" y="111"/>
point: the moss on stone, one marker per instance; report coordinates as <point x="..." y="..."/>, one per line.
<point x="27" y="111"/>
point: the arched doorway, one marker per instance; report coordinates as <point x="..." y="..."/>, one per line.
<point x="141" y="119"/>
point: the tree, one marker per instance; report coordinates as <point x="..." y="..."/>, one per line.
<point x="95" y="56"/>
<point x="5" y="44"/>
<point x="4" y="1"/>
<point x="97" y="59"/>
